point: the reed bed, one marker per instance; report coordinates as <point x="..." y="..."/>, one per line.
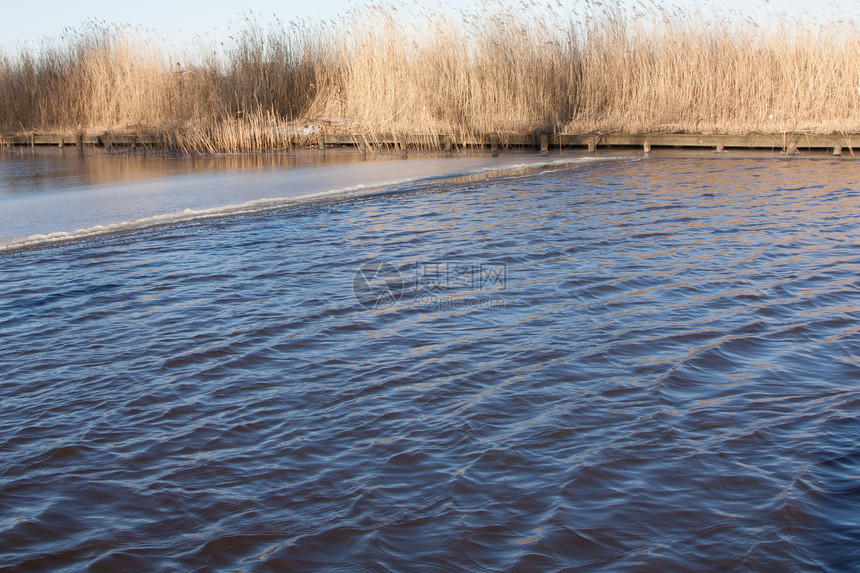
<point x="499" y="72"/>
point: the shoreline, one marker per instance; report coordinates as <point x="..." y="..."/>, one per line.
<point x="788" y="142"/>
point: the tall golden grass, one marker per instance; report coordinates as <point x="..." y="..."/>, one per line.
<point x="652" y="70"/>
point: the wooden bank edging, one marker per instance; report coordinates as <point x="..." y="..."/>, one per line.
<point x="59" y="140"/>
<point x="783" y="142"/>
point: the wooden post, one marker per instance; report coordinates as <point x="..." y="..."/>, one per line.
<point x="544" y="143"/>
<point x="837" y="150"/>
<point x="321" y="141"/>
<point x="448" y="143"/>
<point x="646" y="147"/>
<point x="494" y="145"/>
<point x="592" y="145"/>
<point x="720" y="148"/>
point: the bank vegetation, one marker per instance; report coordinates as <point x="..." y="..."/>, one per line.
<point x="501" y="71"/>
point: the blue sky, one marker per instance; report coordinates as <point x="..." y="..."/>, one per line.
<point x="179" y="21"/>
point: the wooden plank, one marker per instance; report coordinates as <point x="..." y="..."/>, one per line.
<point x="56" y="139"/>
<point x="49" y="139"/>
<point x="750" y="141"/>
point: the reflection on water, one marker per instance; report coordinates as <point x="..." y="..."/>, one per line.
<point x="670" y="382"/>
<point x="57" y="195"/>
<point x="41" y="169"/>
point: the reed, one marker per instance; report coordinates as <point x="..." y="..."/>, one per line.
<point x="651" y="70"/>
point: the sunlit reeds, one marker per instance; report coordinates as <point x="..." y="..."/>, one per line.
<point x="502" y="71"/>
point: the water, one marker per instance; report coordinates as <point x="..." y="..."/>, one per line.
<point x="640" y="365"/>
<point x="54" y="195"/>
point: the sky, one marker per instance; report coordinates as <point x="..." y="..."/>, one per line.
<point x="178" y="22"/>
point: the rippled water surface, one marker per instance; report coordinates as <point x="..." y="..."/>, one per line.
<point x="634" y="365"/>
